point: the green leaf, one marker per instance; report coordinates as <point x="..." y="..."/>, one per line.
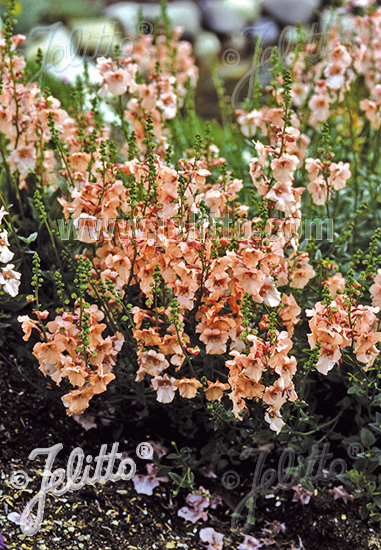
<point x="32" y="237"/>
<point x="377" y="401"/>
<point x="162" y="472"/>
<point x="176" y="478"/>
<point x="367" y="438"/>
<point x="307" y="485"/>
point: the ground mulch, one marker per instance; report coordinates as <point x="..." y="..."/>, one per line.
<point x="114" y="517"/>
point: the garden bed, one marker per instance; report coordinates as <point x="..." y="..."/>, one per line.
<point x="113" y="516"/>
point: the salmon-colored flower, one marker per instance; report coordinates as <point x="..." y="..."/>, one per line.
<point x="284" y="167"/>
<point x="165" y="388"/>
<point x="152" y="362"/>
<point x="27" y="324"/>
<point x="336" y="284"/>
<point x="23" y="159"/>
<point x="215" y="390"/>
<point x="77" y="401"/>
<point x="188" y="387"/>
<point x="375" y="290"/>
<point x="320" y="107"/>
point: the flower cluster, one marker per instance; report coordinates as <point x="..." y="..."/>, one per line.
<point x="155" y="227"/>
<point x="24" y="120"/>
<point x="326" y="177"/>
<point x="155" y="75"/>
<point x="247" y="372"/>
<point x="340" y="323"/>
<point x="198" y="502"/>
<point x="156" y="231"/>
<point x="73" y="348"/>
<point x="9" y="278"/>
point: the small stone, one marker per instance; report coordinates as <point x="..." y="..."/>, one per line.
<point x="97" y="37"/>
<point x="60" y="48"/>
<point x="234" y="71"/>
<point x="220" y="18"/>
<point x="238" y="40"/>
<point x="291" y="12"/>
<point x="246" y="9"/>
<point x="267" y="31"/>
<point x="181" y="13"/>
<point x="127" y="14"/>
<point x="185" y="14"/>
<point x="206" y="46"/>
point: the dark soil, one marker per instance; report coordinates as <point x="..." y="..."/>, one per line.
<point x="113" y="516"/>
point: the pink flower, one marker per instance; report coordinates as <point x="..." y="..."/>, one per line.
<point x="27" y="326"/>
<point x="88" y="228"/>
<point x="145" y="484"/>
<point x="283" y="167"/>
<point x="86" y="421"/>
<point x="22" y="518"/>
<point x="249" y="122"/>
<point x="301" y="271"/>
<point x="215" y="390"/>
<point x="340" y="492"/>
<point x="158" y="448"/>
<point x="281" y="193"/>
<point x="340" y="175"/>
<point x="301" y="494"/>
<point x="214" y="539"/>
<point x="250" y="543"/>
<point x="188" y="387"/>
<point x="320" y="105"/>
<point x="328" y="358"/>
<point x="375" y="290"/>
<point x="192" y="514"/>
<point x="198" y="501"/>
<point x="23" y="159"/>
<point x="319" y="191"/>
<point x="372" y="112"/>
<point x="365" y="348"/>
